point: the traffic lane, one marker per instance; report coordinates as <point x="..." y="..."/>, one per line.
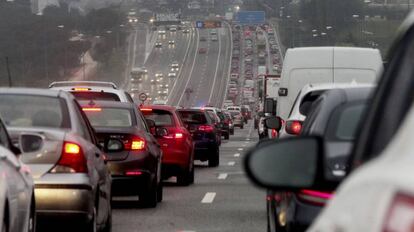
<point x="183" y="79"/>
<point x="205" y="71"/>
<point x="236" y="206"/>
<point x="220" y="87"/>
<point x="140" y="45"/>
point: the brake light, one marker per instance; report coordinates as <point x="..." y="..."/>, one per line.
<point x="400" y="215"/>
<point x="92" y="109"/>
<point x="146" y="109"/>
<point x="206" y="128"/>
<point x="133" y="173"/>
<point x="134" y="144"/>
<point x="72" y="160"/>
<point x="179" y="135"/>
<point x="314" y="197"/>
<point x="293" y="127"/>
<point x="81" y="89"/>
<point x="274" y="133"/>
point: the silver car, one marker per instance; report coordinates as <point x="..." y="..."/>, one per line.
<point x="17" y="203"/>
<point x="72" y="182"/>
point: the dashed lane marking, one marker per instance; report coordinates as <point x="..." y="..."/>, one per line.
<point x="231" y="163"/>
<point x="208" y="198"/>
<point x="240" y="149"/>
<point x="222" y="176"/>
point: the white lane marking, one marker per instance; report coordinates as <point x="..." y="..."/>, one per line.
<point x="237" y="155"/>
<point x="248" y="139"/>
<point x="186" y="231"/>
<point x="240" y="149"/>
<point x="222" y="176"/>
<point x="246" y="142"/>
<point x="231" y="163"/>
<point x="217" y="67"/>
<point x="208" y="198"/>
<point x="243" y="145"/>
<point x="192" y="68"/>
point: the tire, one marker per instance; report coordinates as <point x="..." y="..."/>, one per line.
<point x="242" y="126"/>
<point x="187" y="177"/>
<point x="232" y="132"/>
<point x="160" y="192"/>
<point x="227" y="136"/>
<point x="150" y="197"/>
<point x="214" y="160"/>
<point x="32" y="217"/>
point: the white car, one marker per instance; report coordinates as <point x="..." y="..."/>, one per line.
<point x="172" y="74"/>
<point x="17" y="202"/>
<point x="158" y="45"/>
<point x="159" y="75"/>
<point x="175" y="67"/>
<point x="171" y="42"/>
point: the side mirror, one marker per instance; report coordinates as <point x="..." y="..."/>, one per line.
<point x="114" y="145"/>
<point x="269" y="106"/>
<point x="30" y="142"/>
<point x="286" y="164"/>
<point x="150" y="123"/>
<point x="273" y="123"/>
<point x="161" y="132"/>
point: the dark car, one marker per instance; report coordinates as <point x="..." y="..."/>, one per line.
<point x="335" y="116"/>
<point x="133" y="154"/>
<point x="176" y="143"/>
<point x="205" y="135"/>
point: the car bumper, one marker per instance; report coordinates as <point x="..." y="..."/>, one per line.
<point x="131" y="185"/>
<point x="304" y="214"/>
<point x="204" y="149"/>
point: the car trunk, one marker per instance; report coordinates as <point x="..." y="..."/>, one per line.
<point x="124" y="135"/>
<point x="41" y="162"/>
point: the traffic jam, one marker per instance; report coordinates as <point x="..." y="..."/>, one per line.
<point x="249" y="115"/>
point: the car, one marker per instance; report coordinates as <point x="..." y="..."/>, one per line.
<point x="172" y="74"/>
<point x="158" y="44"/>
<point x="57" y="84"/>
<point x="234" y="76"/>
<point x="71" y="167"/>
<point x="163" y="86"/>
<point x="218" y="118"/>
<point x="159" y="75"/>
<point x="205" y="135"/>
<point x="17" y="200"/>
<point x="176" y="143"/>
<point x="202" y="38"/>
<point x="92" y="90"/>
<point x="133" y="154"/>
<point x="229" y="119"/>
<point x="214" y="38"/>
<point x="335" y="116"/>
<point x="228" y="102"/>
<point x="186" y="31"/>
<point x="171" y="42"/>
<point x="173" y="29"/>
<point x="175" y="67"/>
<point x="275" y="68"/>
<point x="153" y="81"/>
<point x="237" y="117"/>
<point x="202" y="50"/>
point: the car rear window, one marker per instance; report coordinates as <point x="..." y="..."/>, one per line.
<point x="160" y="117"/>
<point x="193" y="117"/>
<point x="345" y="122"/>
<point x="96" y="96"/>
<point x="109" y="117"/>
<point x="34" y="111"/>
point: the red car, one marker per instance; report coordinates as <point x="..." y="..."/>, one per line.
<point x="202" y="50"/>
<point x="176" y="143"/>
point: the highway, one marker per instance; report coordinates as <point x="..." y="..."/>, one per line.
<point x="221" y="199"/>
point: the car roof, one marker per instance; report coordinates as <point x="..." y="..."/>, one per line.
<point x="35" y="91"/>
<point x="83" y="83"/>
<point x="109" y="104"/>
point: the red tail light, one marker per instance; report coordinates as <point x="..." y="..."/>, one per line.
<point x="134" y="144"/>
<point x="72" y="160"/>
<point x="179" y="135"/>
<point x="206" y="128"/>
<point x="92" y="109"/>
<point x="293" y="127"/>
<point x="314" y="197"/>
<point x="174" y="134"/>
<point x="274" y="133"/>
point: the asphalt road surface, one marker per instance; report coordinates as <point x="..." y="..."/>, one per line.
<point x="221" y="199"/>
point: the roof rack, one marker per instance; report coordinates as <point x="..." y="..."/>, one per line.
<point x="83" y="83"/>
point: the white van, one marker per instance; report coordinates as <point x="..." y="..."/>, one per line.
<point x="313" y="65"/>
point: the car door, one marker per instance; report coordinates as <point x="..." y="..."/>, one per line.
<point x="391" y="102"/>
<point x="18" y="183"/>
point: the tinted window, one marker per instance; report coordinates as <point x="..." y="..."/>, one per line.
<point x="193" y="117"/>
<point x="348" y="121"/>
<point x="160" y="117"/>
<point x="97" y="96"/>
<point x="82" y="120"/>
<point x="110" y="117"/>
<point x="33" y="111"/>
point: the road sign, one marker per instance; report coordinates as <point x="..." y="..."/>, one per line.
<point x="199" y="24"/>
<point x="142" y="97"/>
<point x="212" y="24"/>
<point x="250" y="17"/>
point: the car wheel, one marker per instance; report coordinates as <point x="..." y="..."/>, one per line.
<point x="187" y="177"/>
<point x="32" y="217"/>
<point x="160" y="191"/>
<point x="227" y="136"/>
<point x="214" y="160"/>
<point x="241" y="127"/>
<point x="91" y="225"/>
<point x="149" y="198"/>
<point x="232" y="132"/>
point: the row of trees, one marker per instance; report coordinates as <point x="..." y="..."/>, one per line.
<point x="48" y="46"/>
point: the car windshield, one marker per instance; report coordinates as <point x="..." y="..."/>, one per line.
<point x="109" y="117"/>
<point x="33" y="111"/>
<point x="160" y="117"/>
